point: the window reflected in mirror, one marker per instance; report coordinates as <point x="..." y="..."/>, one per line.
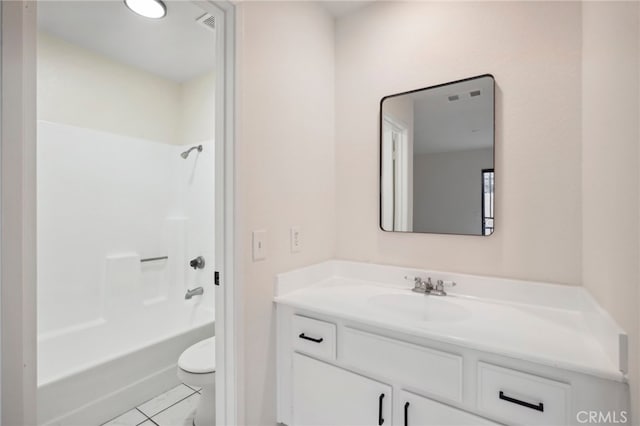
<point x="487" y="201"/>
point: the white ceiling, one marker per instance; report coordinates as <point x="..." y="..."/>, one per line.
<point x="175" y="47"/>
<point x="441" y="125"/>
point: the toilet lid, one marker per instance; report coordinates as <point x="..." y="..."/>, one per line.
<point x="199" y="358"/>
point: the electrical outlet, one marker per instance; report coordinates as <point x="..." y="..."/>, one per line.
<point x="296" y="239"/>
<point x="259" y="245"/>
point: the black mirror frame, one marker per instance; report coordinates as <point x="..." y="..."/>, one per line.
<point x="380" y="118"/>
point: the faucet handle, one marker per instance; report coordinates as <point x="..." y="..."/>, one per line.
<point x="419" y="284"/>
<point x="440" y="285"/>
<point x="197" y="263"/>
<point x="417" y="281"/>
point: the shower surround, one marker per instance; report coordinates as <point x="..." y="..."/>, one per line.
<point x="110" y="327"/>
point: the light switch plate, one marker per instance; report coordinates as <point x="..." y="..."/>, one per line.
<point x="296" y="239"/>
<point x="259" y="245"/>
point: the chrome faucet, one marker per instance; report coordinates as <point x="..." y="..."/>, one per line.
<point x="426" y="286"/>
<point x="198" y="291"/>
<point x="420" y="285"/>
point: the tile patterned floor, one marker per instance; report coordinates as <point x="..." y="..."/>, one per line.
<point x="175" y="407"/>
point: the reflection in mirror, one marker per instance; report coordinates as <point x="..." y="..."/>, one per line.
<point x="437" y="160"/>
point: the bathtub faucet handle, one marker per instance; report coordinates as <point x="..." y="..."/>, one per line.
<point x="197" y="263"/>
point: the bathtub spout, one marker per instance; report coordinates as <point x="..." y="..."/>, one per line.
<point x="198" y="291"/>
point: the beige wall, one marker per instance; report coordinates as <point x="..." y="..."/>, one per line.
<point x="285" y="166"/>
<point x="610" y="179"/>
<point x="79" y="87"/>
<point x="197" y="109"/>
<point x="556" y="195"/>
<point x="533" y="50"/>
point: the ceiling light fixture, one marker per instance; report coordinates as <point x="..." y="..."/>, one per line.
<point x="154" y="9"/>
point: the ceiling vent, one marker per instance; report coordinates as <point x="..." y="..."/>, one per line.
<point x="208" y="21"/>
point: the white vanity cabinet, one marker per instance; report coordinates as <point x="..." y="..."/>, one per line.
<point x="327" y="395"/>
<point x="325" y="386"/>
<point x="324" y="394"/>
<point x="354" y="351"/>
<point x="337" y="372"/>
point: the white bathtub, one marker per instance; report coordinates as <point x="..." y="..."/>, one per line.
<point x="90" y="374"/>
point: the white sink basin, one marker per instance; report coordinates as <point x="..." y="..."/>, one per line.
<point x="419" y="307"/>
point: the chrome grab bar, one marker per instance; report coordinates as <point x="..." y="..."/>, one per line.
<point x="153" y="259"/>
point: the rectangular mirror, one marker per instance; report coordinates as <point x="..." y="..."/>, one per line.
<point x="437" y="159"/>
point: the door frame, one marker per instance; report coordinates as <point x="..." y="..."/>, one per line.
<point x="228" y="300"/>
<point x="401" y="177"/>
<point x="18" y="268"/>
<point x="18" y="320"/>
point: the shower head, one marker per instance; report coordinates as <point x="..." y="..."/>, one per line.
<point x="187" y="152"/>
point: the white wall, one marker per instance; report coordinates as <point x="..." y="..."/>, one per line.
<point x="610" y="185"/>
<point x="448" y="194"/>
<point x="285" y="166"/>
<point x="533" y="50"/>
<point x="92" y="221"/>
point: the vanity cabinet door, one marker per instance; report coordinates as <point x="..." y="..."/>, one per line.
<point x="327" y="395"/>
<point x="415" y="410"/>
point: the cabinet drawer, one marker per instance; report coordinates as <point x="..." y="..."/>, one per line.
<point x="434" y="372"/>
<point x="314" y="337"/>
<point x="521" y="398"/>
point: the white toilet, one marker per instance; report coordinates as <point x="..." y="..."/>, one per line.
<point x="197" y="367"/>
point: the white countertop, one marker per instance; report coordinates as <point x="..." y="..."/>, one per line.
<point x="569" y="332"/>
